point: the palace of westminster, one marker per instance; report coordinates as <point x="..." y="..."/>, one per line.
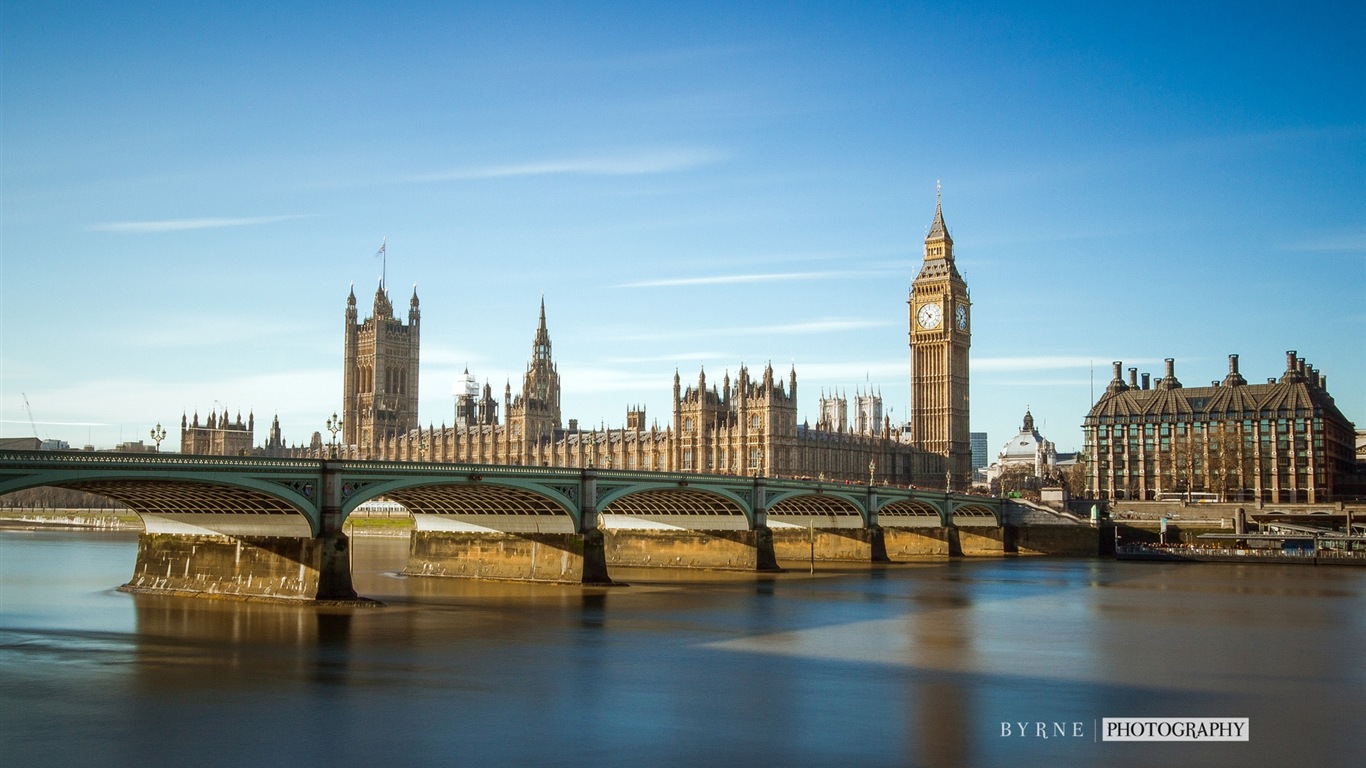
<point x="1283" y="441"/>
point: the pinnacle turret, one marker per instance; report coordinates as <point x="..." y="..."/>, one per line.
<point x="937" y="229"/>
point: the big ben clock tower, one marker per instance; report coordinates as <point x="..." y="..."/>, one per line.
<point x="941" y="332"/>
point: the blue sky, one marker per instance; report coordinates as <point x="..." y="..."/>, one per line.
<point x="189" y="191"/>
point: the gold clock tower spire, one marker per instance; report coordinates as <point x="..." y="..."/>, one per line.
<point x="940" y="335"/>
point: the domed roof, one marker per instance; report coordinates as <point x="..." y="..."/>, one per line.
<point x="1026" y="444"/>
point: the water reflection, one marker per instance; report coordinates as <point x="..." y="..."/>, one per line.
<point x="185" y="643"/>
<point x="898" y="665"/>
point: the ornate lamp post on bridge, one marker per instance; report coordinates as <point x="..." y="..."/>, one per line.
<point x="334" y="425"/>
<point x="158" y="434"/>
<point x="872" y="470"/>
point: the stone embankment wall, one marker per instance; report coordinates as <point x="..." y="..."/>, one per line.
<point x="557" y="557"/>
<point x="274" y="567"/>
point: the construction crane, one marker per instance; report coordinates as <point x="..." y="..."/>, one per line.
<point x="31" y="422"/>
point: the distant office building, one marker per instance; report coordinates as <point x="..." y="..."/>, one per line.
<point x="1282" y="441"/>
<point x="979" y="452"/>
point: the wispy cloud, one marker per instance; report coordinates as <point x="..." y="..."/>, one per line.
<point x="825" y="325"/>
<point x="182" y="225"/>
<point x="1334" y="242"/>
<point x="179" y="330"/>
<point x="673" y="357"/>
<point x="1044" y="363"/>
<point x="853" y="374"/>
<point x="56" y="423"/>
<point x="768" y="277"/>
<point x="627" y="164"/>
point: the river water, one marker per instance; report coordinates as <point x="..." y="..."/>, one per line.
<point x="906" y="665"/>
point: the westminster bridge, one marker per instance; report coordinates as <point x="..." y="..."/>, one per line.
<point x="266" y="527"/>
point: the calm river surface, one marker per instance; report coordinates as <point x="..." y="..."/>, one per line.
<point x="900" y="666"/>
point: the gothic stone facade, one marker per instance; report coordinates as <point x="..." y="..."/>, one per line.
<point x="746" y="426"/>
<point x="379" y="400"/>
<point x="1283" y="441"/>
<point x="940" y="335"/>
<point x="218" y="435"/>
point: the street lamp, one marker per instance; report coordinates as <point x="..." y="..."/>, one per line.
<point x="334" y="426"/>
<point x="872" y="469"/>
<point x="158" y="434"/>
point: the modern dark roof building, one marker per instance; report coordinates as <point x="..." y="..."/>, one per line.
<point x="1282" y="441"/>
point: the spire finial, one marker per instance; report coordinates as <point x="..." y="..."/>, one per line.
<point x="937" y="229"/>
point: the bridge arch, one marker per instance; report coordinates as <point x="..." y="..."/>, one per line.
<point x="837" y="510"/>
<point x="676" y="504"/>
<point x="500" y="503"/>
<point x="912" y="513"/>
<point x="975" y="514"/>
<point x="186" y="502"/>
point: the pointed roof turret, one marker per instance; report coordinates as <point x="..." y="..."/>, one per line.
<point x="382" y="306"/>
<point x="541" y="346"/>
<point x="937" y="229"/>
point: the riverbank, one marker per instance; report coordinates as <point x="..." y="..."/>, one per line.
<point x="1213" y="554"/>
<point x="74" y="518"/>
<point x="35" y="518"/>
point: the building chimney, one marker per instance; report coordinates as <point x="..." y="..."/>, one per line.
<point x="1147" y="380"/>
<point x="1133" y="378"/>
<point x="1169" y="380"/>
<point x="1234" y="378"/>
<point x="1116" y="383"/>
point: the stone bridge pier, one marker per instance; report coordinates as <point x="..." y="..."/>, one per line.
<point x="237" y="553"/>
<point x="492" y="524"/>
<point x="215" y="526"/>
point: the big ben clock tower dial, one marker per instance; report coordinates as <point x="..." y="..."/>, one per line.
<point x="940" y="334"/>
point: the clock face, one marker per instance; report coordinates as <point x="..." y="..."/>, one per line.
<point x="929" y="316"/>
<point x="962" y="315"/>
